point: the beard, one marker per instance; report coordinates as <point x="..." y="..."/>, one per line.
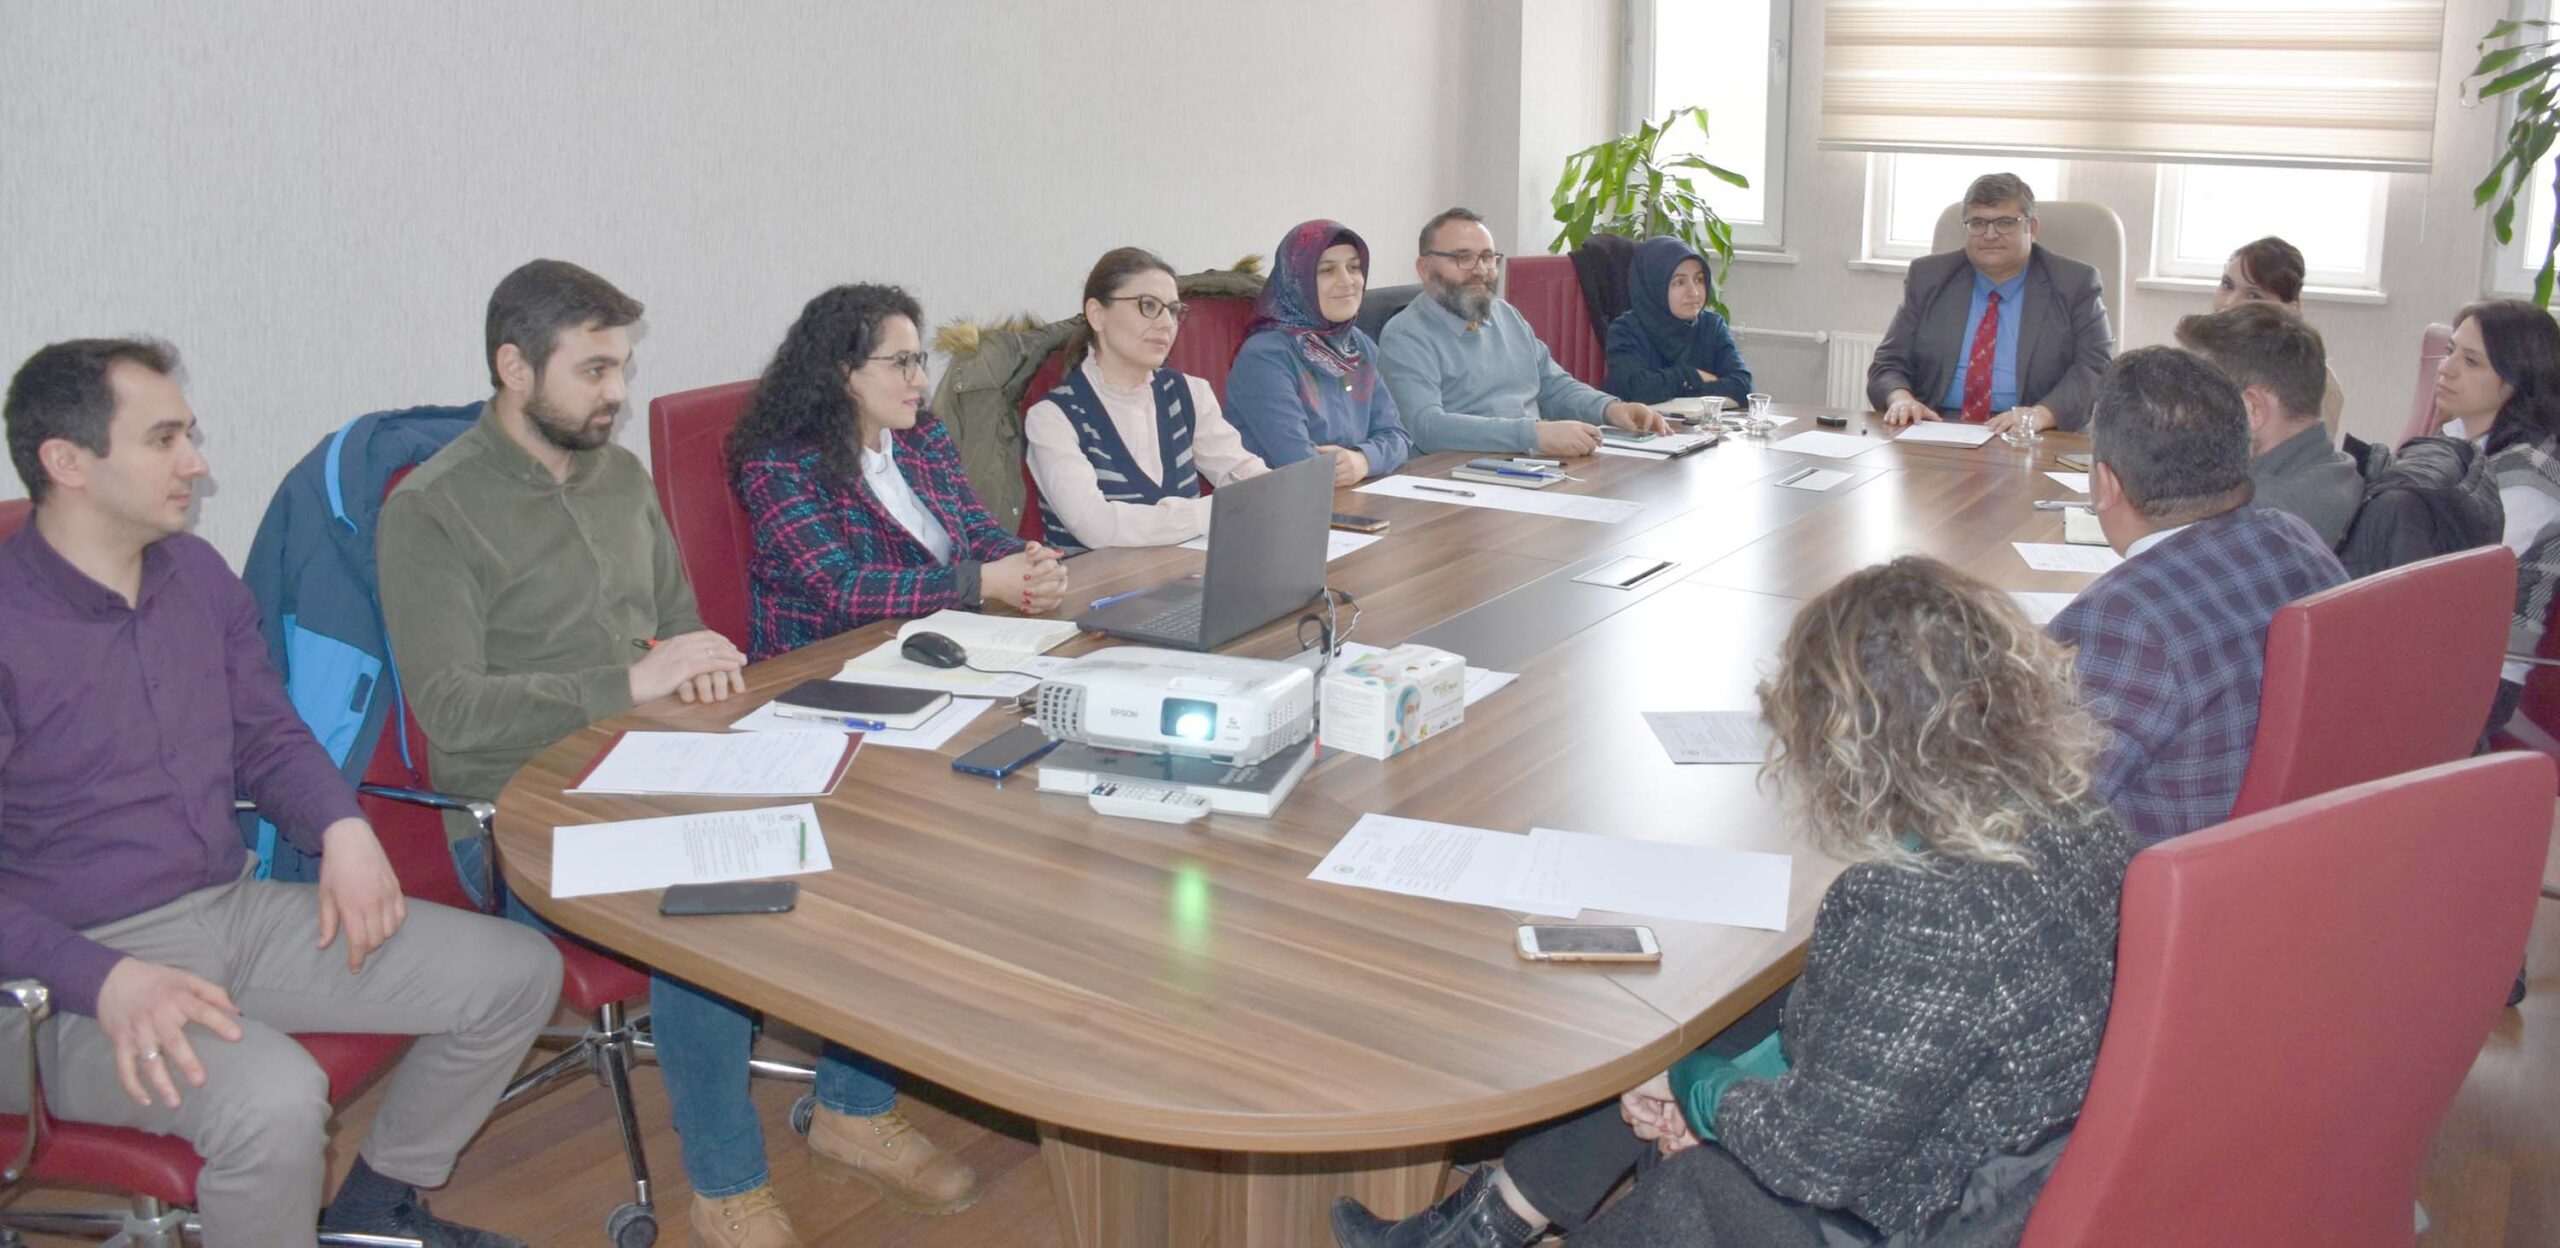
<point x="1467" y="303"/>
<point x="571" y="434"/>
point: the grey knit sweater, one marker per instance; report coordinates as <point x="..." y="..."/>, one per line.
<point x="1944" y="1016"/>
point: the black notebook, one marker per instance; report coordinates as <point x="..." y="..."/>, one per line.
<point x="889" y="706"/>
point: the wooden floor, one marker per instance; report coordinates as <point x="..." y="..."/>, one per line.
<point x="550" y="1170"/>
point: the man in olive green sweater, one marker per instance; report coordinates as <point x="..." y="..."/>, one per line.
<point x="525" y="572"/>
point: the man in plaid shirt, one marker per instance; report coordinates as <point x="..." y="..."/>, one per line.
<point x="2172" y="643"/>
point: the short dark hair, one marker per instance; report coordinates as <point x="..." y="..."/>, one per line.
<point x="542" y="297"/>
<point x="2263" y="344"/>
<point x="2272" y="265"/>
<point x="1431" y="228"/>
<point x="62" y="392"/>
<point x="2173" y="430"/>
<point x="1999" y="188"/>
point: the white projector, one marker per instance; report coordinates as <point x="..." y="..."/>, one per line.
<point x="1213" y="706"/>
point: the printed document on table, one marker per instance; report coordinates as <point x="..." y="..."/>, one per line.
<point x="1828" y="445"/>
<point x="1419" y="858"/>
<point x="2076" y="482"/>
<point x="1813" y="478"/>
<point x="1336" y="543"/>
<point x="721" y="764"/>
<point x="1946" y="432"/>
<point x="883" y="665"/>
<point x="1711" y="736"/>
<point x="722" y="845"/>
<point x="1480" y="681"/>
<point x="2041" y="607"/>
<point x="2057" y="557"/>
<point x="932" y="734"/>
<point x="1696" y="883"/>
<point x="1505" y="498"/>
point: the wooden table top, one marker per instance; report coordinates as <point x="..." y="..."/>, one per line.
<point x="1187" y="984"/>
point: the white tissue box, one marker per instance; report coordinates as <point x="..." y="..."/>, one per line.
<point x="1393" y="700"/>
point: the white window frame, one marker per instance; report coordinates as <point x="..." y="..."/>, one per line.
<point x="2512" y="264"/>
<point x="2170" y="190"/>
<point x="1881" y="252"/>
<point x="1636" y="106"/>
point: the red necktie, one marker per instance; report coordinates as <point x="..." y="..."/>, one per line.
<point x="1977" y="366"/>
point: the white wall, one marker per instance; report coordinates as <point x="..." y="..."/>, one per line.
<point x="313" y="199"/>
<point x="2433" y="249"/>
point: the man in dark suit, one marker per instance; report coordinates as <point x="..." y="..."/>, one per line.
<point x="2000" y="332"/>
<point x="2170" y="647"/>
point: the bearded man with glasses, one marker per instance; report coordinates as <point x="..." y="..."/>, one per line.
<point x="1467" y="372"/>
<point x="1999" y="333"/>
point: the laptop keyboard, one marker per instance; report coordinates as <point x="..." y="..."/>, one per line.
<point x="1178" y="621"/>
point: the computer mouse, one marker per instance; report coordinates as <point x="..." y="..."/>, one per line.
<point x="933" y="650"/>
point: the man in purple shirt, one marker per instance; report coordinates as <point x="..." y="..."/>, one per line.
<point x="135" y="701"/>
<point x="2171" y="645"/>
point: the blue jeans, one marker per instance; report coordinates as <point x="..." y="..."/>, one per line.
<point x="703" y="1043"/>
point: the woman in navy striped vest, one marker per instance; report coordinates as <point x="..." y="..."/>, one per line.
<point x="1120" y="448"/>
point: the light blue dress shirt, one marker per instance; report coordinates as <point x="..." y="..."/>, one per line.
<point x="2004" y="349"/>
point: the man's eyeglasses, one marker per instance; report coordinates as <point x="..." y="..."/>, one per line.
<point x="1993" y="227"/>
<point x="1471" y="259"/>
<point x="1151" y="307"/>
<point x="912" y="363"/>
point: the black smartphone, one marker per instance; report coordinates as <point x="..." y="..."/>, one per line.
<point x="733" y="897"/>
<point x="1006" y="753"/>
<point x="1832" y="422"/>
<point x="1358" y="524"/>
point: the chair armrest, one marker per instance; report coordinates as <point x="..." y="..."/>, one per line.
<point x="484" y="816"/>
<point x="31" y="998"/>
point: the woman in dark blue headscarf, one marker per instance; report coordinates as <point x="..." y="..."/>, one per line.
<point x="1669" y="344"/>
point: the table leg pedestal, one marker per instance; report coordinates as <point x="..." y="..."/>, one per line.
<point x="1121" y="1194"/>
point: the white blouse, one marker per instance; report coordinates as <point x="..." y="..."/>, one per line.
<point x="880" y="472"/>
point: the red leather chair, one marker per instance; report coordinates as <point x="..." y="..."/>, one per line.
<point x="2379" y="676"/>
<point x="14" y="515"/>
<point x="688" y="433"/>
<point x="1549" y="296"/>
<point x="2435" y="344"/>
<point x="1206" y="348"/>
<point x="2299" y="994"/>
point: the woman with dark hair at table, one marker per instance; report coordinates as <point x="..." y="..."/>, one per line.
<point x="859" y="506"/>
<point x="2499" y="387"/>
<point x="1121" y="447"/>
<point x="1938" y="1045"/>
<point x="1306" y="382"/>
<point x="2271" y="270"/>
<point x="1669" y="344"/>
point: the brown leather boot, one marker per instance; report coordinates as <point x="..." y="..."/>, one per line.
<point x="890" y="1154"/>
<point x="750" y="1219"/>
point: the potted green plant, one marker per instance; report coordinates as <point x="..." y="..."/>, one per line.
<point x="2523" y="63"/>
<point x="1623" y="186"/>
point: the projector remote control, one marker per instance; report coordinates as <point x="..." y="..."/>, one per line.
<point x="1147" y="801"/>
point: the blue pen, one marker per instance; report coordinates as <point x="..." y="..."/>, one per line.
<point x="840" y="721"/>
<point x="1100" y="603"/>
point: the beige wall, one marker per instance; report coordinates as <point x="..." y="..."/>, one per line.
<point x="313" y="199"/>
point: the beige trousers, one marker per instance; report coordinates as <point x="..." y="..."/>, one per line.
<point x="473" y="989"/>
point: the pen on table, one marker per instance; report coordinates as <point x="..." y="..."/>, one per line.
<point x="1100" y="603"/>
<point x="1798" y="475"/>
<point x="2059" y="504"/>
<point x="804" y="842"/>
<point x="1442" y="489"/>
<point x="840" y="721"/>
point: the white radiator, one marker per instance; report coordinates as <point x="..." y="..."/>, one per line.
<point x="1844" y="373"/>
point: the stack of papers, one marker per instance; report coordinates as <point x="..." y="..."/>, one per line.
<point x="1480" y="681"/>
<point x="1499" y="498"/>
<point x="993" y="642"/>
<point x="1712" y="736"/>
<point x="1828" y="445"/>
<point x="713" y="848"/>
<point x="1946" y="432"/>
<point x="1551" y="872"/>
<point x="2076" y="482"/>
<point x="2057" y="557"/>
<point x="1662" y="446"/>
<point x="932" y="734"/>
<point x="1336" y="543"/>
<point x="721" y="764"/>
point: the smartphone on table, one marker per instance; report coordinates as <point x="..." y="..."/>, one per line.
<point x="1564" y="942"/>
<point x="1006" y="753"/>
<point x="732" y="897"/>
<point x="1349" y="523"/>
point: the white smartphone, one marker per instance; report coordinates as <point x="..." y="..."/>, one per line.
<point x="1587" y="943"/>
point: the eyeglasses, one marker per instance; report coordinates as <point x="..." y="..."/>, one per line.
<point x="1471" y="259"/>
<point x="911" y="363"/>
<point x="1994" y="227"/>
<point x="1151" y="307"/>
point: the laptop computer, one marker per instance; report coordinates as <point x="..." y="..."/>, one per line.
<point x="1267" y="540"/>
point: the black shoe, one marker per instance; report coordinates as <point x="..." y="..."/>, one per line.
<point x="2516" y="998"/>
<point x="410" y="1218"/>
<point x="1474" y="1217"/>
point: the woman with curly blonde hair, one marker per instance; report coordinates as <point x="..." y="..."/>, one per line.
<point x="1937" y="1048"/>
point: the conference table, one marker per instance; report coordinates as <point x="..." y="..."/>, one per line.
<point x="1213" y="1045"/>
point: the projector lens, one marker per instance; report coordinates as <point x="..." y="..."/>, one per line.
<point x="1190" y="719"/>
